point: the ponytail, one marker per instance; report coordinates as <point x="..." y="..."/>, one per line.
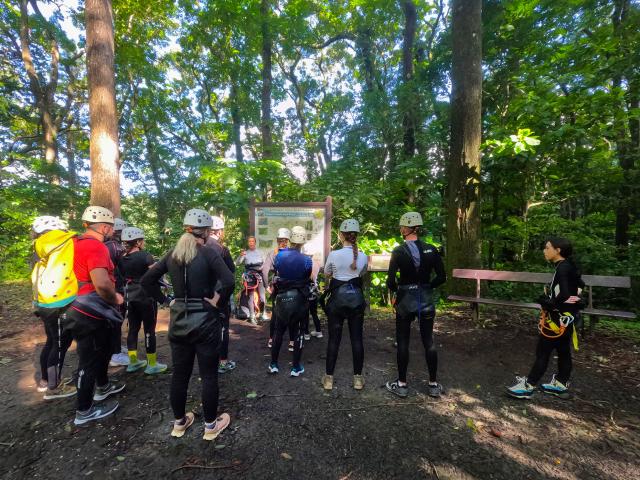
<point x="186" y="249"/>
<point x="352" y="238"/>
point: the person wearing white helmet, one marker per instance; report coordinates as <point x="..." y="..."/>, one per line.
<point x="291" y="305"/>
<point x="92" y="315"/>
<point x="119" y="356"/>
<point x="282" y="241"/>
<point x="53" y="245"/>
<point x="421" y="271"/>
<point x="252" y="282"/>
<point x="344" y="269"/>
<point x="142" y="309"/>
<point x="216" y="242"/>
<point x="202" y="283"/>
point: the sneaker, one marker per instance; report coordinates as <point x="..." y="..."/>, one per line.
<point x="138" y="365"/>
<point x="264" y="317"/>
<point x="291" y="346"/>
<point x="554" y="387"/>
<point x="396" y="389"/>
<point x="224" y="367"/>
<point x="180" y="426"/>
<point x="327" y="382"/>
<point x="273" y="367"/>
<point x="42" y="386"/>
<point x="119" y="360"/>
<point x="96" y="412"/>
<point x="61" y="391"/>
<point x="297" y="371"/>
<point x="521" y="389"/>
<point x="270" y="343"/>
<point x="253" y="320"/>
<point x="72" y="379"/>
<point x="358" y="382"/>
<point x="307" y="337"/>
<point x="109" y="389"/>
<point x="211" y="431"/>
<point x="435" y="390"/>
<point x="155" y="369"/>
<point x="317" y="334"/>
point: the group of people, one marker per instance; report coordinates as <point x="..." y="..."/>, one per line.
<point x="85" y="285"/>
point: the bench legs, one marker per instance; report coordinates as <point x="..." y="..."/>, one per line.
<point x="475" y="312"/>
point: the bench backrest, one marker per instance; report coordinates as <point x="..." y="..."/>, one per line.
<point x="537" y="277"/>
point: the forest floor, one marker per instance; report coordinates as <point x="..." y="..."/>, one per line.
<point x="289" y="428"/>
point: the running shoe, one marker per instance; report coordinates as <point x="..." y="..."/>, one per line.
<point x="307" y="337"/>
<point x="317" y="334"/>
<point x="358" y="382"/>
<point x="327" y="382"/>
<point x="227" y="366"/>
<point x="109" y="389"/>
<point x="270" y="343"/>
<point x="264" y="317"/>
<point x="291" y="346"/>
<point x="155" y="369"/>
<point x="119" y="360"/>
<point x="273" y="367"/>
<point x="253" y="320"/>
<point x="180" y="426"/>
<point x="297" y="371"/>
<point x="554" y="387"/>
<point x="96" y="412"/>
<point x="137" y="365"/>
<point x="435" y="390"/>
<point x="521" y="389"/>
<point x="212" y="430"/>
<point x="42" y="386"/>
<point x="61" y="391"/>
<point x="397" y="389"/>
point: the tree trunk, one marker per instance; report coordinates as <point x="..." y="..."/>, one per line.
<point x="408" y="100"/>
<point x="463" y="169"/>
<point x="154" y="163"/>
<point x="267" y="47"/>
<point x="236" y="120"/>
<point x="103" y="118"/>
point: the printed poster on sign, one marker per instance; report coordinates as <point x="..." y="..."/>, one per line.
<point x="268" y="220"/>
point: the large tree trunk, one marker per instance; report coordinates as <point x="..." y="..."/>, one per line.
<point x="408" y="100"/>
<point x="463" y="172"/>
<point x="236" y="119"/>
<point x="267" y="47"/>
<point x="154" y="163"/>
<point x="103" y="118"/>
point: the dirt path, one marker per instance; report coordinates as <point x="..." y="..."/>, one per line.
<point x="289" y="428"/>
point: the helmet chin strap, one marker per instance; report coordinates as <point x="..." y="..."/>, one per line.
<point x="104" y="237"/>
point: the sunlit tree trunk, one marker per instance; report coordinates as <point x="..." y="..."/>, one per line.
<point x="408" y="97"/>
<point x="267" y="47"/>
<point x="103" y="118"/>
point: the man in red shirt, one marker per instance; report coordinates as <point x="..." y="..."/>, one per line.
<point x="92" y="315"/>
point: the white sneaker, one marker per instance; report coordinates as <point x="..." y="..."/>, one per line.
<point x="307" y="337"/>
<point x="119" y="360"/>
<point x="317" y="334"/>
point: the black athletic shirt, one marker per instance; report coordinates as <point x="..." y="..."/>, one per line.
<point x="222" y="251"/>
<point x="402" y="261"/>
<point x="565" y="284"/>
<point x="135" y="265"/>
<point x="207" y="274"/>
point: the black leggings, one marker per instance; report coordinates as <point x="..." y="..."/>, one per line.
<point x="183" y="356"/>
<point x="313" y="313"/>
<point x="116" y="332"/>
<point x="56" y="346"/>
<point x="94" y="352"/>
<point x="225" y="315"/>
<point x="355" y="322"/>
<point x="403" y="332"/>
<point x="543" y="353"/>
<point x="272" y="325"/>
<point x="142" y="313"/>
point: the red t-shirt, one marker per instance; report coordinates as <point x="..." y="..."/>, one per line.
<point x="90" y="253"/>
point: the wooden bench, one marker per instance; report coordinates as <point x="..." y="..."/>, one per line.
<point x="545" y="278"/>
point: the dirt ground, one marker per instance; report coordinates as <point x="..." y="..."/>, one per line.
<point x="286" y="427"/>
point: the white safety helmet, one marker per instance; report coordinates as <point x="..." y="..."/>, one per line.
<point x="350" y="225"/>
<point x="298" y="235"/>
<point x="95" y="214"/>
<point x="411" y="219"/>
<point x="132" y="233"/>
<point x="119" y="224"/>
<point x="47" y="222"/>
<point x="284" y="233"/>
<point x="217" y="223"/>
<point x="197" y="218"/>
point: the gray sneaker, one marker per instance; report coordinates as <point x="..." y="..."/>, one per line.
<point x="399" y="390"/>
<point x="96" y="412"/>
<point x="61" y="391"/>
<point x="109" y="389"/>
<point x="435" y="390"/>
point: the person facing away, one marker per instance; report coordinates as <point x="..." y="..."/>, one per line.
<point x="282" y="242"/>
<point x="344" y="269"/>
<point x="93" y="316"/>
<point x="416" y="262"/>
<point x="560" y="306"/>
<point x="291" y="306"/>
<point x="142" y="308"/>
<point x="53" y="246"/>
<point x="202" y="282"/>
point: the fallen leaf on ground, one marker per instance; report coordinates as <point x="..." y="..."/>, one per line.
<point x="252" y="395"/>
<point x="495" y="432"/>
<point x="286" y="456"/>
<point x="472" y="425"/>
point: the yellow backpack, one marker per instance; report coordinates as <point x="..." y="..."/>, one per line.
<point x="54" y="282"/>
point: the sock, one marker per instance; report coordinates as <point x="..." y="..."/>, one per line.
<point x="151" y="359"/>
<point x="210" y="425"/>
<point x="133" y="356"/>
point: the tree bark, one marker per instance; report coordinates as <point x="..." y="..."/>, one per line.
<point x="408" y="100"/>
<point x="154" y="163"/>
<point x="236" y="120"/>
<point x="463" y="169"/>
<point x="266" y="125"/>
<point x="103" y="118"/>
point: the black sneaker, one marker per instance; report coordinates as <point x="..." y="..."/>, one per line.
<point x="399" y="390"/>
<point x="96" y="412"/>
<point x="109" y="389"/>
<point x="435" y="390"/>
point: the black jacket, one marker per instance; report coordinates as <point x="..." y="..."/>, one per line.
<point x="430" y="262"/>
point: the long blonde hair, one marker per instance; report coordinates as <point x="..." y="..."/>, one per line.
<point x="186" y="249"/>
